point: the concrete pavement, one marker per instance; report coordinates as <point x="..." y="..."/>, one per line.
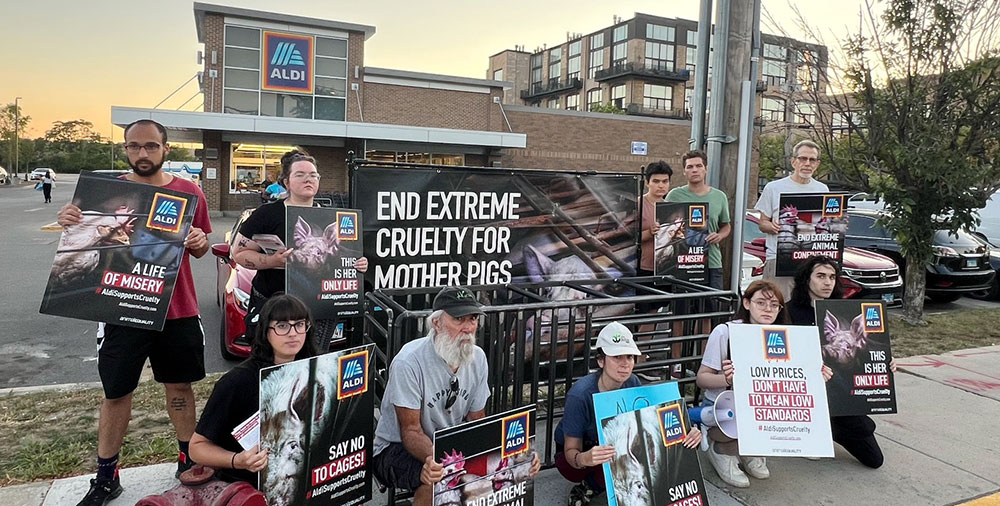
<point x="943" y="447"/>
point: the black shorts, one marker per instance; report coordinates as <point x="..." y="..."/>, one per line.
<point x="177" y="355"/>
<point x="396" y="467"/>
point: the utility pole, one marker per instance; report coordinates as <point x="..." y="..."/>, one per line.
<point x="17" y="138"/>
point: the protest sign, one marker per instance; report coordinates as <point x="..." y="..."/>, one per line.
<point x="427" y="227"/>
<point x="487" y="461"/>
<point x="855" y="344"/>
<point x="119" y="264"/>
<point x="316" y="419"/>
<point x="680" y="249"/>
<point x="810" y="224"/>
<point x="651" y="466"/>
<point x="781" y="408"/>
<point x="320" y="270"/>
<point x="626" y="400"/>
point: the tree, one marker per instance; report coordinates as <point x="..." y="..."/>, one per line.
<point x="179" y="154"/>
<point x="918" y="125"/>
<point x="607" y="107"/>
<point x="771" y="159"/>
<point x="72" y="131"/>
<point x="8" y="115"/>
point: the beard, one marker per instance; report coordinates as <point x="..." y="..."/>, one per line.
<point x="146" y="172"/>
<point x="456" y="350"/>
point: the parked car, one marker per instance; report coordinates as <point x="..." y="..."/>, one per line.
<point x="4" y="177"/>
<point x="989" y="232"/>
<point x="39" y="173"/>
<point x="961" y="263"/>
<point x="864" y="275"/>
<point x="751" y="269"/>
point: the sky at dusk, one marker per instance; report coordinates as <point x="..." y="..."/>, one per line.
<point x="69" y="60"/>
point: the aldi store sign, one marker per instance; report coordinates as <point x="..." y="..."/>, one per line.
<point x="287" y="61"/>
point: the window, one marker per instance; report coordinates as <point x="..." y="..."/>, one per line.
<point x="619" y="52"/>
<point x="553" y="103"/>
<point x="657" y="96"/>
<point x="498" y="75"/>
<point x="594" y="98"/>
<point x="536" y="71"/>
<point x="618" y="96"/>
<point x="331" y="81"/>
<point x="573" y="103"/>
<point x="555" y="64"/>
<point x="775" y="64"/>
<point x="401" y="156"/>
<point x="573" y="63"/>
<point x="805" y="113"/>
<point x="659" y="56"/>
<point x="659" y="32"/>
<point x="688" y="99"/>
<point x="285" y="105"/>
<point x="807" y="72"/>
<point x="772" y="109"/>
<point x="691" y="54"/>
<point x="596" y="60"/>
<point x="620" y="33"/>
<point x="241" y="71"/>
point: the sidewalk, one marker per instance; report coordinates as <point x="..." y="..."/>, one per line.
<point x="943" y="447"/>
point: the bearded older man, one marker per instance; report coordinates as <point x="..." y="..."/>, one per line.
<point x="435" y="381"/>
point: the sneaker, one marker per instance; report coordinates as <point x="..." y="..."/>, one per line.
<point x="580" y="495"/>
<point x="728" y="468"/>
<point x="183" y="466"/>
<point x="756" y="467"/>
<point x="101" y="492"/>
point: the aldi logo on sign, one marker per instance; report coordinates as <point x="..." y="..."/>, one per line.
<point x="776" y="344"/>
<point x="352" y="377"/>
<point x="696" y="216"/>
<point x="287" y="61"/>
<point x="166" y="213"/>
<point x="833" y="206"/>
<point x="874" y="319"/>
<point x="347" y="226"/>
<point x="515" y="435"/>
<point x="670" y="424"/>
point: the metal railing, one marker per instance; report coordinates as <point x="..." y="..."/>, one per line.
<point x="528" y="366"/>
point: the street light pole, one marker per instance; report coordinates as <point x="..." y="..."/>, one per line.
<point x="17" y="138"/>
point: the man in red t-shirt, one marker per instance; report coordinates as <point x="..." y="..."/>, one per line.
<point x="176" y="354"/>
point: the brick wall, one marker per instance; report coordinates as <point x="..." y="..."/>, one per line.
<point x="214" y="29"/>
<point x="406" y="105"/>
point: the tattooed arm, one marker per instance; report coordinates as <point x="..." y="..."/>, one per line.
<point x="250" y="255"/>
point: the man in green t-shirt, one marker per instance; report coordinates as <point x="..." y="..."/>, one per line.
<point x="697" y="190"/>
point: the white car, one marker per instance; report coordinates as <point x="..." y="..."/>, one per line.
<point x="39" y="173"/>
<point x="750" y="270"/>
<point x="4" y="176"/>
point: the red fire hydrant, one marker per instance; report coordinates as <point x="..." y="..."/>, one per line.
<point x="199" y="487"/>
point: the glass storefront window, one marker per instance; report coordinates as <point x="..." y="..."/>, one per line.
<point x="331" y="47"/>
<point x="285" y="106"/>
<point x="331" y="67"/>
<point x="331" y="86"/>
<point x="242" y="37"/>
<point x="239" y="102"/>
<point x="242" y="58"/>
<point x="244" y="79"/>
<point x="330" y="108"/>
<point x="254" y="166"/>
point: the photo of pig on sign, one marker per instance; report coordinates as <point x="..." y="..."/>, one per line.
<point x="781" y="407"/>
<point x="680" y="248"/>
<point x="811" y="224"/>
<point x="320" y="270"/>
<point x="856" y="346"/>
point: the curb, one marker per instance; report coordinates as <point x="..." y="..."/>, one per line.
<point x="64" y="387"/>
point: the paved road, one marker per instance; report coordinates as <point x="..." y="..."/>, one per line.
<point x="37" y="349"/>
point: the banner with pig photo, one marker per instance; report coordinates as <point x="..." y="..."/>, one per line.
<point x="811" y="224"/>
<point x="119" y="265"/>
<point x="320" y="270"/>
<point x="651" y="466"/>
<point x="487" y="461"/>
<point x="316" y="420"/>
<point x="680" y="248"/>
<point x="444" y="226"/>
<point x="855" y="343"/>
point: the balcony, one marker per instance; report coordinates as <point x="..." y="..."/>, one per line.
<point x="648" y="71"/>
<point x="553" y="86"/>
<point x="639" y="110"/>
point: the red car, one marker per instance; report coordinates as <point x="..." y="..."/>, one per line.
<point x="865" y="274"/>
<point x="233" y="295"/>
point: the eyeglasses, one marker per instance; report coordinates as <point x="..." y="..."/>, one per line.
<point x="807" y="159"/>
<point x="763" y="304"/>
<point x="304" y="175"/>
<point x="452" y="393"/>
<point x="283" y="328"/>
<point x="150" y="147"/>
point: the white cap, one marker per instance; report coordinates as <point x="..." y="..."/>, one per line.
<point x="616" y="339"/>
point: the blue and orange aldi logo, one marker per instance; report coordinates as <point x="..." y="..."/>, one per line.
<point x="696" y="216"/>
<point x="776" y="344"/>
<point x="352" y="376"/>
<point x="347" y="225"/>
<point x="166" y="213"/>
<point x="833" y="206"/>
<point x="287" y="61"/>
<point x="671" y="426"/>
<point x="874" y="317"/>
<point x="514" y="432"/>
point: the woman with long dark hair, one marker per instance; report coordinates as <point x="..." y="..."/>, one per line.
<point x="285" y="334"/>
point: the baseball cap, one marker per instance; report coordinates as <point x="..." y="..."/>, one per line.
<point x="616" y="339"/>
<point x="457" y="301"/>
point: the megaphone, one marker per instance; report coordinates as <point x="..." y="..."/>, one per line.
<point x="722" y="414"/>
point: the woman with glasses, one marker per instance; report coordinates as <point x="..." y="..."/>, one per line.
<point x="817" y="279"/>
<point x="762" y="304"/>
<point x="300" y="176"/>
<point x="285" y="334"/>
<point x="578" y="456"/>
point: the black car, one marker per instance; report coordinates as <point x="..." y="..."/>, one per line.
<point x="961" y="263"/>
<point x="989" y="231"/>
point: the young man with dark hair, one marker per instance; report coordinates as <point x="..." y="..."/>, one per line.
<point x="697" y="190"/>
<point x="658" y="176"/>
<point x="176" y="354"/>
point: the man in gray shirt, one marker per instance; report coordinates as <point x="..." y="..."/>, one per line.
<point x="436" y="381"/>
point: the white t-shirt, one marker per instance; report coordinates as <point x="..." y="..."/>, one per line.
<point x="420" y="379"/>
<point x="770" y="199"/>
<point x="716" y="350"/>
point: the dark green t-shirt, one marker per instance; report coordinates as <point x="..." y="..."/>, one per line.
<point x="718" y="215"/>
